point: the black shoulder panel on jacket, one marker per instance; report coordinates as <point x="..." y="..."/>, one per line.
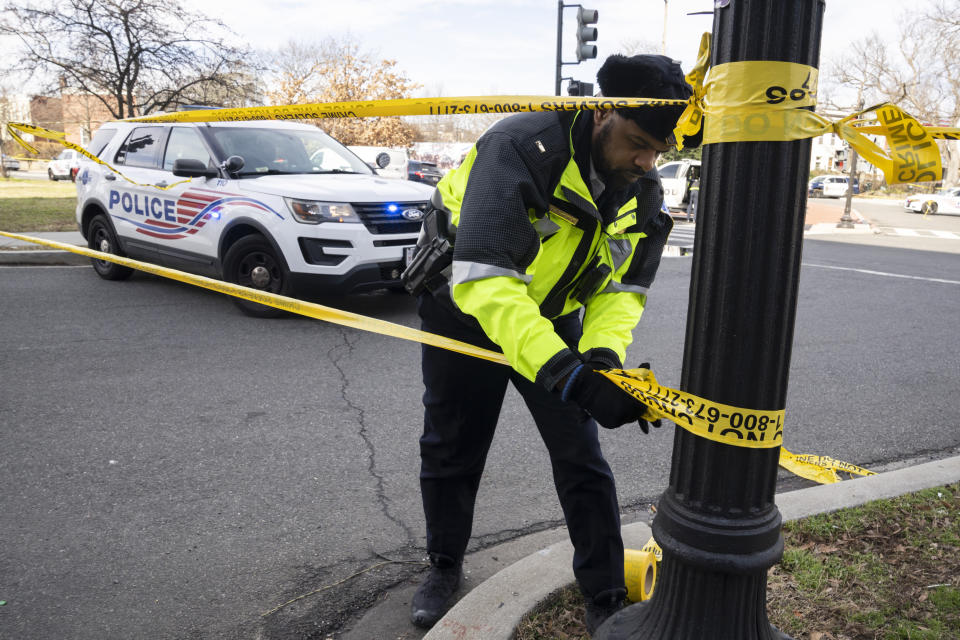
<point x="646" y="259"/>
<point x="516" y="160"/>
<point x="656" y="224"/>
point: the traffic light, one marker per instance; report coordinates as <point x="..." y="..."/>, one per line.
<point x="579" y="88"/>
<point x="840" y="157"/>
<point x="586" y="34"/>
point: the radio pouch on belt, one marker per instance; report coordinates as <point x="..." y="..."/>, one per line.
<point x="434" y="254"/>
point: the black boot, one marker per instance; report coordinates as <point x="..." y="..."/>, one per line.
<point x="602" y="607"/>
<point x="434" y="597"/>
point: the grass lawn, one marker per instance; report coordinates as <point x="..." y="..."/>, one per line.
<point x="36" y="205"/>
<point x="889" y="570"/>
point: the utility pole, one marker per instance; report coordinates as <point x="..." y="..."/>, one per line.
<point x="556" y="90"/>
<point x="663" y="45"/>
<point x="846" y="222"/>
<point x="717" y="522"/>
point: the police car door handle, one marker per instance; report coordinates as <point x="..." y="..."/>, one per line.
<point x="162" y="183"/>
<point x="110" y="176"/>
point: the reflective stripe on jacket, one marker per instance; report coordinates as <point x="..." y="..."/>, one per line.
<point x="527" y="232"/>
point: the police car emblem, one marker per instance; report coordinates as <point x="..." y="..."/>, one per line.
<point x="412" y="214"/>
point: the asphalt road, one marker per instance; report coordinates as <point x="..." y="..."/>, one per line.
<point x="170" y="468"/>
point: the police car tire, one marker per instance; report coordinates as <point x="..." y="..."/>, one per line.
<point x="256" y="250"/>
<point x="100" y="237"/>
<point x="50" y="175"/>
<point x="929" y="208"/>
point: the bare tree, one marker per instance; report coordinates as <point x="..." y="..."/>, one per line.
<point x="635" y="46"/>
<point x="920" y="74"/>
<point x="340" y="71"/>
<point x="298" y="73"/>
<point x="135" y="56"/>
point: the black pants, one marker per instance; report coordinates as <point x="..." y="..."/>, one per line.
<point x="462" y="405"/>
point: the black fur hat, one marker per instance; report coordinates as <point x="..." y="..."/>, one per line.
<point x="648" y="76"/>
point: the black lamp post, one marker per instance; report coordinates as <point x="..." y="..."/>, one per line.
<point x="717" y="522"/>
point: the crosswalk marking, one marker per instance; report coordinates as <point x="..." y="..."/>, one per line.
<point x="682" y="235"/>
<point x="681" y="238"/>
<point x="945" y="234"/>
<point x="920" y="233"/>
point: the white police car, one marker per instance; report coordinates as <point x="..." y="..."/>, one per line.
<point x="273" y="205"/>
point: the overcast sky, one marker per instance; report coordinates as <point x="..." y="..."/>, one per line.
<point x="480" y="47"/>
<point x="484" y="47"/>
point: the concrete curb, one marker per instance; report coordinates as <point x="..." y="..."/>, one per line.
<point x="51" y="258"/>
<point x="18" y="253"/>
<point x="493" y="610"/>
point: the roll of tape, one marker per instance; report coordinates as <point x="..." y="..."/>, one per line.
<point x="640" y="574"/>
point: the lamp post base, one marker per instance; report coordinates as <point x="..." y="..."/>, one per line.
<point x="722" y="606"/>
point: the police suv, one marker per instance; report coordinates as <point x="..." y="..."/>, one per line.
<point x="272" y="205"/>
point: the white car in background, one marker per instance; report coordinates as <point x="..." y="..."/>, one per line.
<point x="834" y="186"/>
<point x="64" y="166"/>
<point x="396" y="168"/>
<point x="944" y="201"/>
<point x="676" y="178"/>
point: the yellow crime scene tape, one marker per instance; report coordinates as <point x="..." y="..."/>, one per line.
<point x="769" y="101"/>
<point x="745" y="101"/>
<point x="15" y="129"/>
<point x="742" y="101"/>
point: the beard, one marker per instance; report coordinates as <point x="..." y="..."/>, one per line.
<point x="612" y="177"/>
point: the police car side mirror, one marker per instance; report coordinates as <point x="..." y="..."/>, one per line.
<point x="187" y="168"/>
<point x="383" y="159"/>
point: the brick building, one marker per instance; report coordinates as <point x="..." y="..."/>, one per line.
<point x="76" y="114"/>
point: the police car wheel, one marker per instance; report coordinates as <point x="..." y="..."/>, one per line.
<point x="100" y="237"/>
<point x="50" y="175"/>
<point x="252" y="262"/>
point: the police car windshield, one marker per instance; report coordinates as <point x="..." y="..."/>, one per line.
<point x="285" y="151"/>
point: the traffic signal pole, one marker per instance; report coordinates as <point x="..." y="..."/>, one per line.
<point x="717" y="522"/>
<point x="585" y="36"/>
<point x="556" y="90"/>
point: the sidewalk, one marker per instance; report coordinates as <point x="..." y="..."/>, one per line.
<point x="496" y="600"/>
<point x="823" y="218"/>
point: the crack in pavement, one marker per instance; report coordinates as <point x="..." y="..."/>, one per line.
<point x="382" y="498"/>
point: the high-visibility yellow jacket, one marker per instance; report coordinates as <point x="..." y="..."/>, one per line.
<point x="527" y="232"/>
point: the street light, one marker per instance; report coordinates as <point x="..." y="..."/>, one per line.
<point x="846" y="222"/>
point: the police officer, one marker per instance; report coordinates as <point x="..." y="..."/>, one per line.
<point x="542" y="245"/>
